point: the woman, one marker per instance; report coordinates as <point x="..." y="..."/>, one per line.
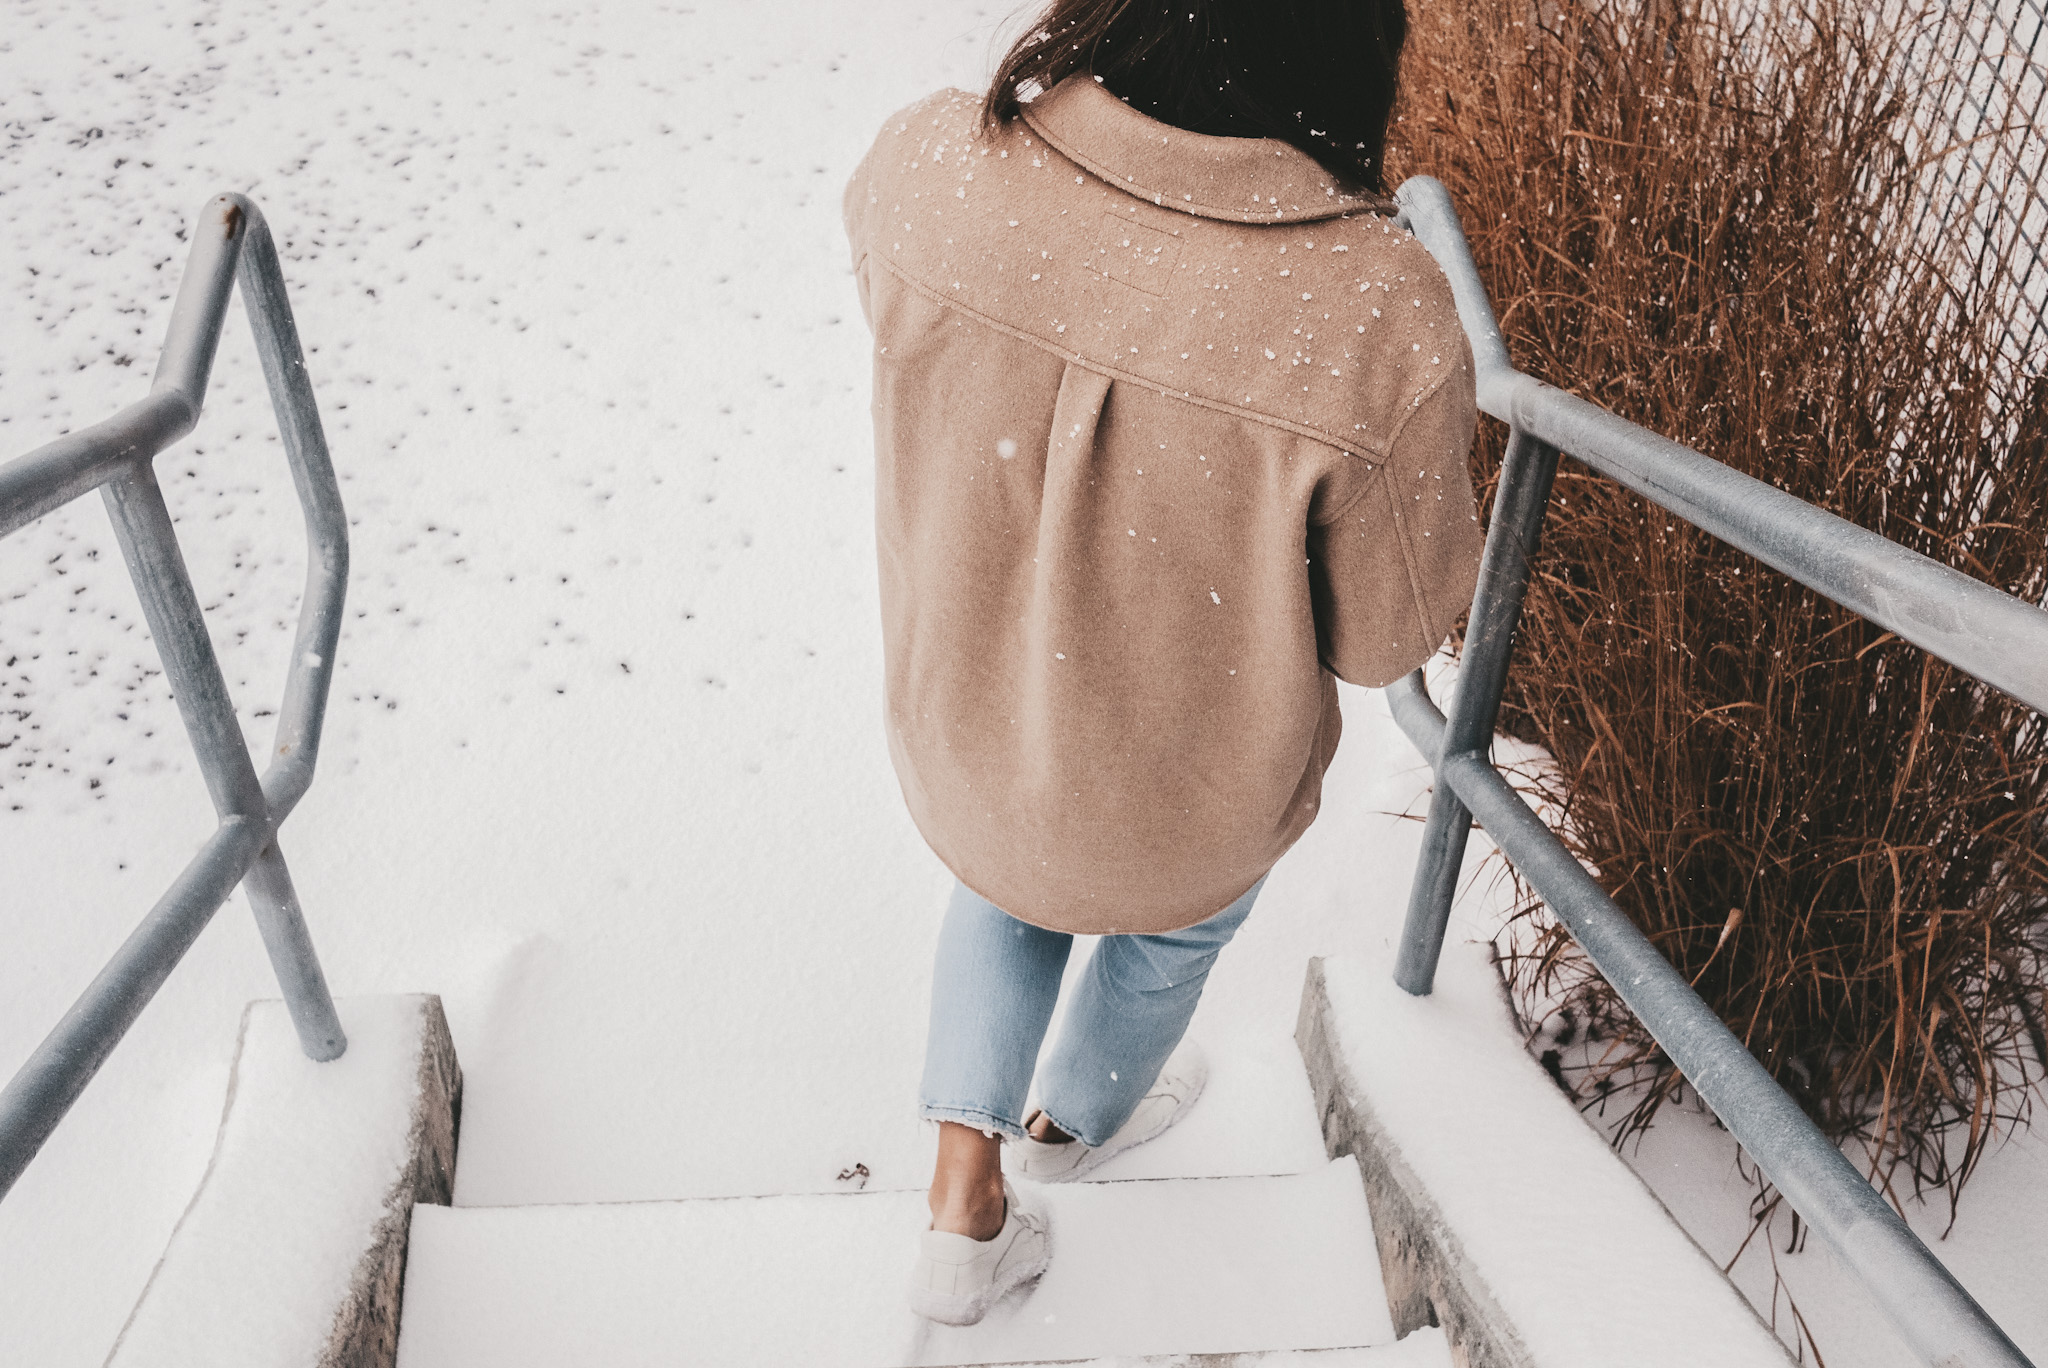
<point x="1171" y="425"/>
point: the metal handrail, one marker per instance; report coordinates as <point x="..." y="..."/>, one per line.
<point x="230" y="244"/>
<point x="1993" y="636"/>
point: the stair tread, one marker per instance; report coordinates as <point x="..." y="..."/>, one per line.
<point x="1161" y="1267"/>
<point x="1426" y="1348"/>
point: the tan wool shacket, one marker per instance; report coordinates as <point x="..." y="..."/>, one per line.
<point x="1168" y="428"/>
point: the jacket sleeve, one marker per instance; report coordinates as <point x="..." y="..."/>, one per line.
<point x="1393" y="569"/>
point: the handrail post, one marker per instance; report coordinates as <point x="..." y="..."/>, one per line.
<point x="1523" y="494"/>
<point x="142" y="526"/>
<point x="304" y="705"/>
<point x="2000" y="639"/>
<point x="230" y="243"/>
<point x="1934" y="1312"/>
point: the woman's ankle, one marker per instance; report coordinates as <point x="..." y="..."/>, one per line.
<point x="1039" y="1127"/>
<point x="967" y="1183"/>
<point x="978" y="1217"/>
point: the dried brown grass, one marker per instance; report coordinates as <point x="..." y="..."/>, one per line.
<point x="1702" y="221"/>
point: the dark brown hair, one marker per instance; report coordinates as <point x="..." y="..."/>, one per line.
<point x="1319" y="74"/>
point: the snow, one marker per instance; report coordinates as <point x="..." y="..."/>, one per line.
<point x="1192" y="1266"/>
<point x="308" y="1154"/>
<point x="550" y="483"/>
<point x="1996" y="1250"/>
<point x="604" y="765"/>
<point x="1582" y="1261"/>
<point x="1424" y="1349"/>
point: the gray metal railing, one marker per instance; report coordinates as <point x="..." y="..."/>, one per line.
<point x="230" y="243"/>
<point x="1995" y="637"/>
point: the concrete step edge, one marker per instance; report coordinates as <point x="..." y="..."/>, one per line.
<point x="1424" y="1348"/>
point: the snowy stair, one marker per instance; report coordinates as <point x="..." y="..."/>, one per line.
<point x="1195" y="1271"/>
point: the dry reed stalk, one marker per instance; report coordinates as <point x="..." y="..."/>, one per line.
<point x="1695" y="212"/>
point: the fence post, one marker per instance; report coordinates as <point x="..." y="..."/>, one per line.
<point x="1518" y="507"/>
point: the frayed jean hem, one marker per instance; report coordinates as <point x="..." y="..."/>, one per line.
<point x="1073" y="1134"/>
<point x="972" y="1116"/>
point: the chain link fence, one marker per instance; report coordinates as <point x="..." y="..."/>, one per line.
<point x="1984" y="146"/>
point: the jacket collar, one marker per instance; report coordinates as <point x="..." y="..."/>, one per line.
<point x="1242" y="180"/>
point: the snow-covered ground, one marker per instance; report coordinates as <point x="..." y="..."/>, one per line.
<point x="604" y="764"/>
<point x="1998" y="1248"/>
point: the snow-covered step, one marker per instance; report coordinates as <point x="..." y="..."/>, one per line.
<point x="1165" y="1267"/>
<point x="1426" y="1348"/>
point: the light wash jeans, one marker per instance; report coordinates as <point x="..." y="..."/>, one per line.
<point x="993" y="990"/>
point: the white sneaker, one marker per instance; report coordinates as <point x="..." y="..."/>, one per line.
<point x="1179" y="1083"/>
<point x="958" y="1279"/>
